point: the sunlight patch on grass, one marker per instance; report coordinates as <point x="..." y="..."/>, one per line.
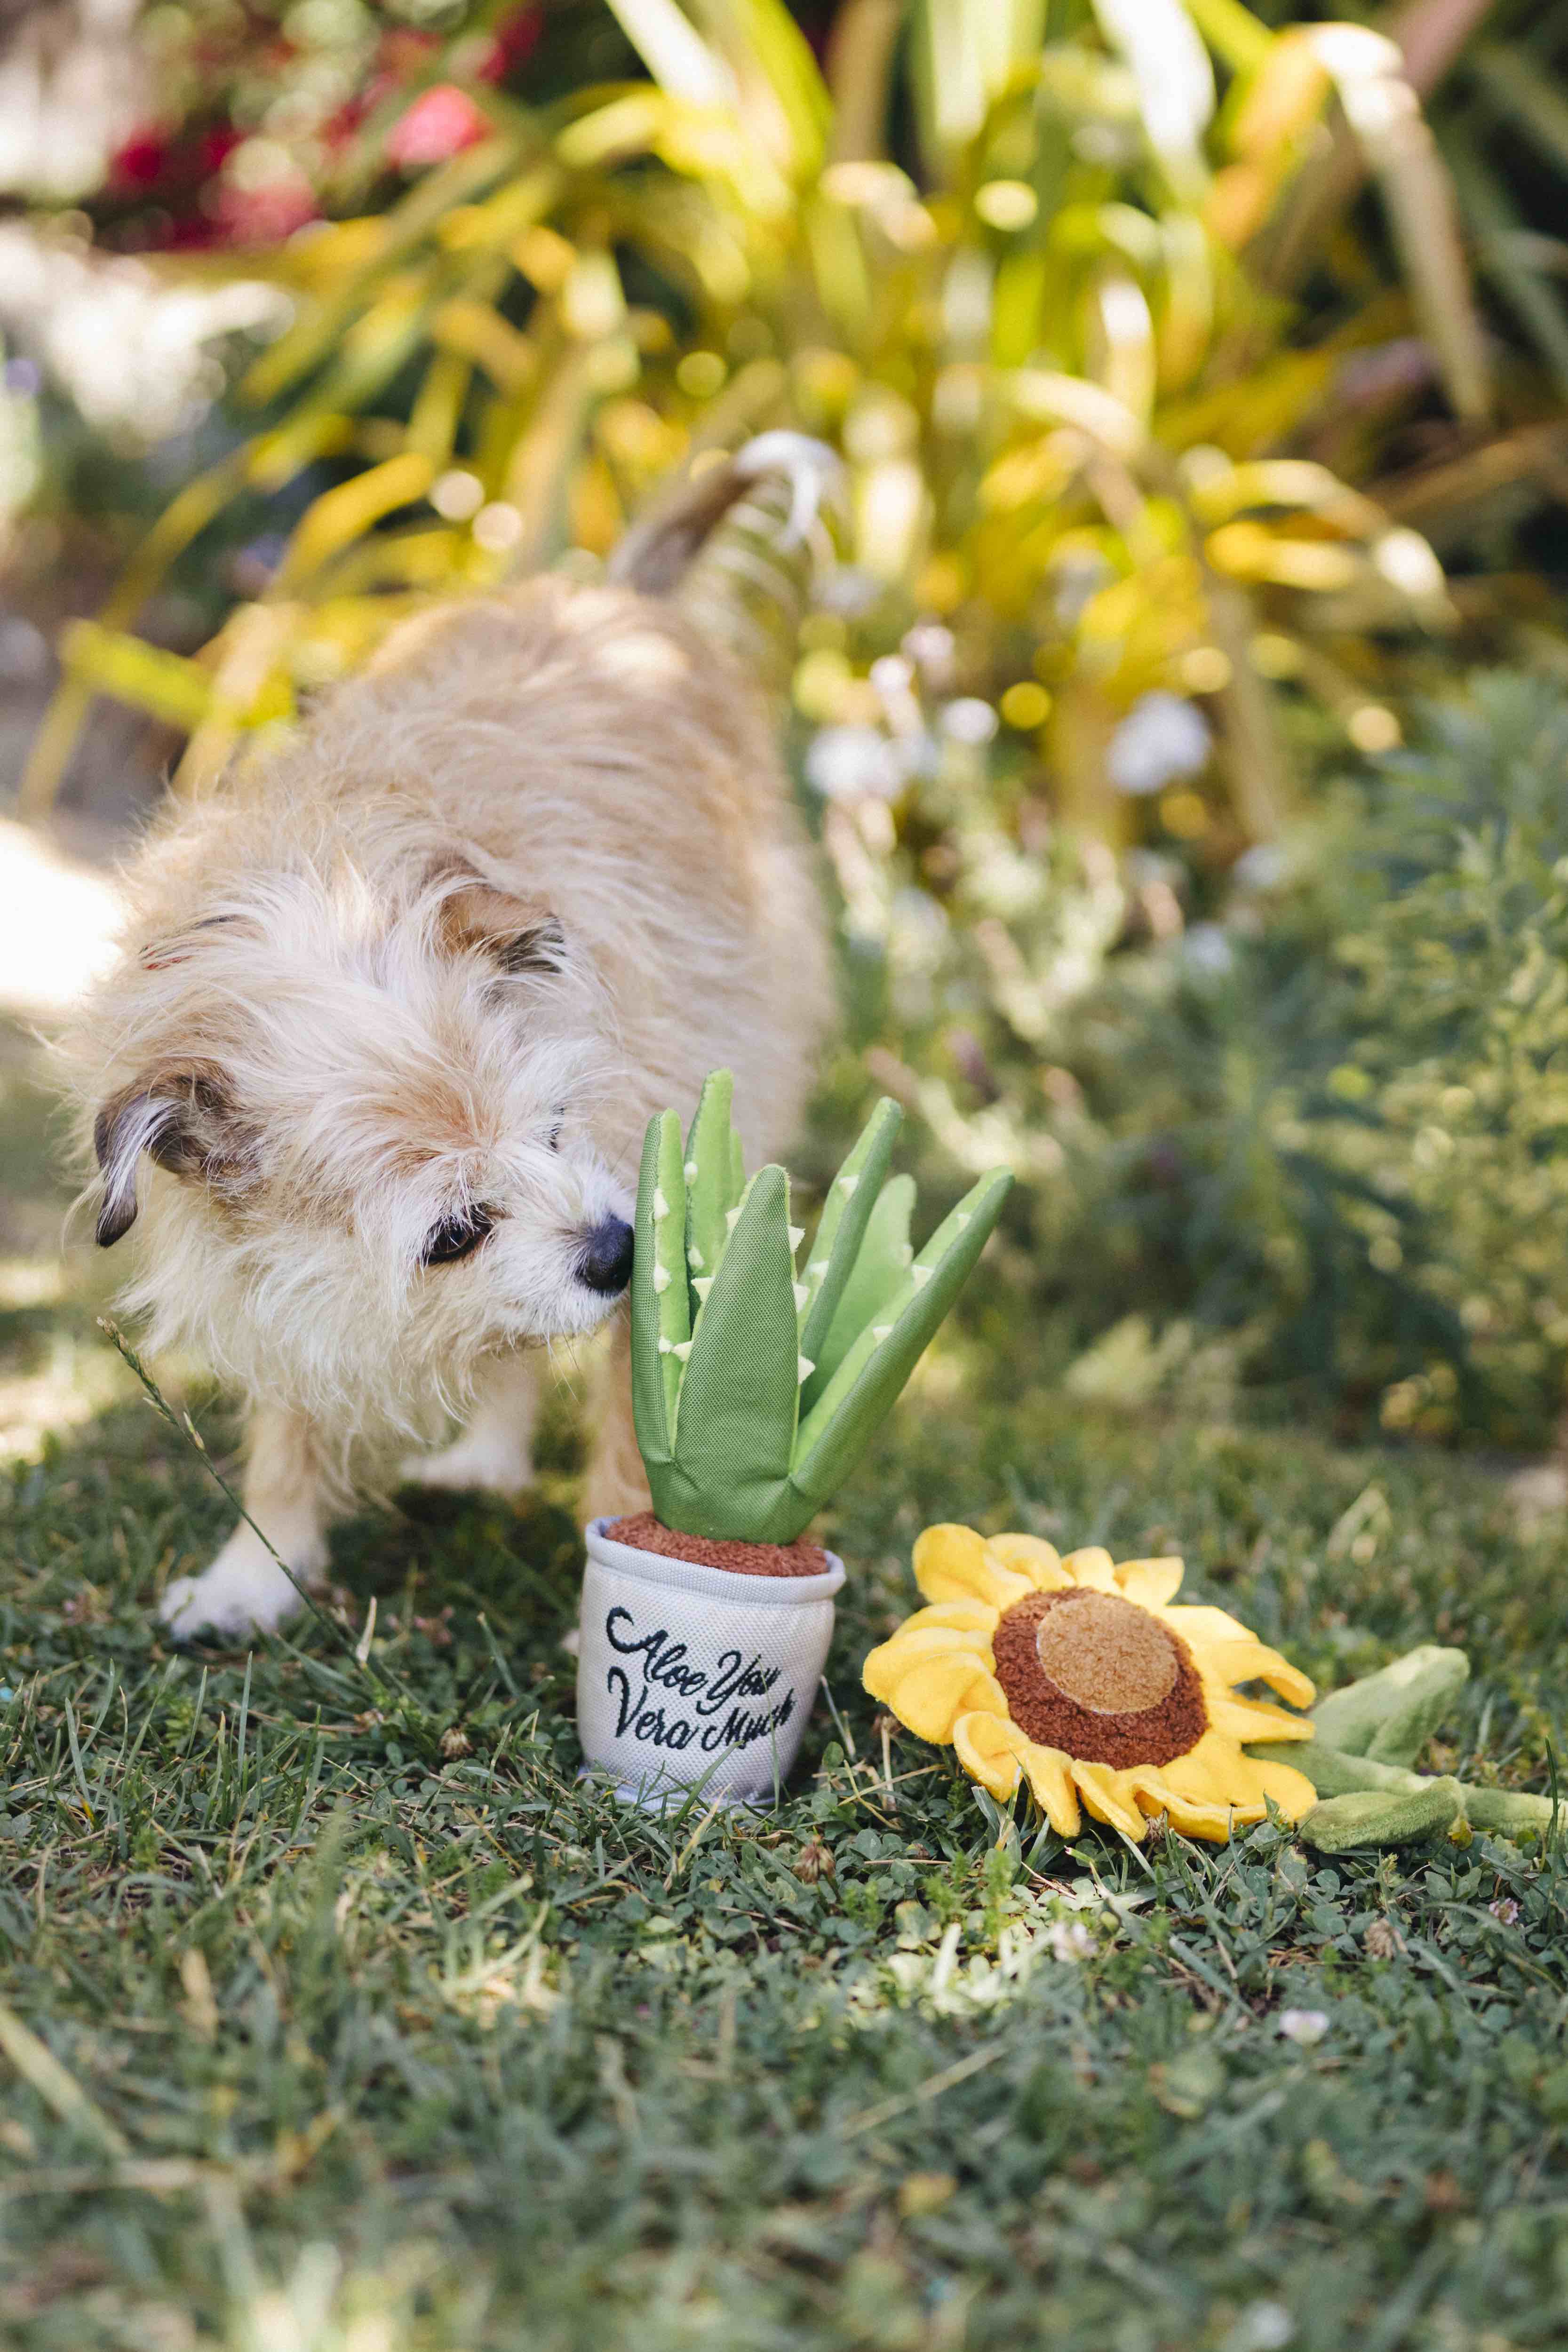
<point x="79" y="1381"/>
<point x="59" y="918"/>
<point x="32" y="1282"/>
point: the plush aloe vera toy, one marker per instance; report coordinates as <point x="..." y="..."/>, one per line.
<point x="1368" y="1738"/>
<point x="755" y="1388"/>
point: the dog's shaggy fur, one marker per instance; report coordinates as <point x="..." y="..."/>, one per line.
<point x="371" y="1075"/>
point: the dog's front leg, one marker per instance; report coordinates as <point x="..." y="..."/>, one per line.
<point x="245" y="1591"/>
<point x="495" y="1452"/>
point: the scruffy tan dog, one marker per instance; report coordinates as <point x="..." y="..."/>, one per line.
<point x="371" y="1078"/>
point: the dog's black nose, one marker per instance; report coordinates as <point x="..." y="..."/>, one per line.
<point x="605" y="1265"/>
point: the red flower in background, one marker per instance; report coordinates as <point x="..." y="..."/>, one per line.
<point x="179" y="185"/>
<point x="438" y="124"/>
<point x="512" y="43"/>
<point x="261" y="216"/>
<point x="141" y="163"/>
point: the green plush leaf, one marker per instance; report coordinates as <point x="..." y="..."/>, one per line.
<point x="863" y="1390"/>
<point x="1392" y="1715"/>
<point x="1374" y="1817"/>
<point x="1333" y="1773"/>
<point x="711" y="1190"/>
<point x="741" y="1394"/>
<point x="838" y="1243"/>
<point x="880" y="1272"/>
<point x="1509" y="1812"/>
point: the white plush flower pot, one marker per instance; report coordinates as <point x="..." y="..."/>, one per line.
<point x="694" y="1679"/>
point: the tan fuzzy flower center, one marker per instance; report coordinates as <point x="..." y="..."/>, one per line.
<point x="1100" y="1678"/>
<point x="1108" y="1655"/>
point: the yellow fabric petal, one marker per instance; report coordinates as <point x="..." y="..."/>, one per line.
<point x="1209" y="1790"/>
<point x="930" y="1694"/>
<point x="1253" y="1662"/>
<point x="1211" y="1772"/>
<point x="1253" y="1718"/>
<point x="1292" y="1791"/>
<point x="963" y="1616"/>
<point x="952" y="1563"/>
<point x="1110" y="1799"/>
<point x="1092" y="1566"/>
<point x="914" y="1640"/>
<point x="1030" y="1556"/>
<point x="886" y="1667"/>
<point x="1149" y="1582"/>
<point x="1049" y="1775"/>
<point x="1201" y="1628"/>
<point x="990" y="1749"/>
<point x="1204" y="1817"/>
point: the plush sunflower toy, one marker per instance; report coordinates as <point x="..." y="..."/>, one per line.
<point x="1081" y="1677"/>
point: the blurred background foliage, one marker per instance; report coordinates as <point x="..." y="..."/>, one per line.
<point x="1199" y="371"/>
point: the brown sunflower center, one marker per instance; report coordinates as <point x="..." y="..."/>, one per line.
<point x="1098" y="1677"/>
<point x="1112" y="1658"/>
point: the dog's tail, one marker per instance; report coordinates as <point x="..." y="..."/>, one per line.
<point x="738" y="546"/>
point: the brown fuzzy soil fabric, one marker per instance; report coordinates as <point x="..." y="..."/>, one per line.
<point x="1133" y="1695"/>
<point x="644" y="1533"/>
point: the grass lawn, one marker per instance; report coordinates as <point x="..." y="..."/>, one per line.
<point x="367" y="2029"/>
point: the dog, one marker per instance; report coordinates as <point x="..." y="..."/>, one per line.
<point x="369" y="1080"/>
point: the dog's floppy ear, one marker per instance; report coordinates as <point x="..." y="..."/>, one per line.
<point x="518" y="934"/>
<point x="182" y="1116"/>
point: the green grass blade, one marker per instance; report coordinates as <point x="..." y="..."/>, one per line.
<point x="761" y="39"/>
<point x="1515" y="84"/>
<point x="741" y="1395"/>
<point x="862" y="1392"/>
<point x="1492" y="217"/>
<point x="673" y="52"/>
<point x="709" y="1176"/>
<point x="878" y="1274"/>
<point x="846" y="1214"/>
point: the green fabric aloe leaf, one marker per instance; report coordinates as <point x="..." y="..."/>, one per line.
<point x="718" y="1364"/>
<point x="1381" y="1817"/>
<point x="739" y="1397"/>
<point x="852" y="1197"/>
<point x="862" y="1392"/>
<point x="714" y="1179"/>
<point x="878" y="1276"/>
<point x="1391" y="1715"/>
<point x="660" y="1303"/>
<point x="842" y="1242"/>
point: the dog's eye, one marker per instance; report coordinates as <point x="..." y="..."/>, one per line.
<point x="456" y="1236"/>
<point x="558" y="1121"/>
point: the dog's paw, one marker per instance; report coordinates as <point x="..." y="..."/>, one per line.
<point x="244" y="1592"/>
<point x="484" y="1463"/>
